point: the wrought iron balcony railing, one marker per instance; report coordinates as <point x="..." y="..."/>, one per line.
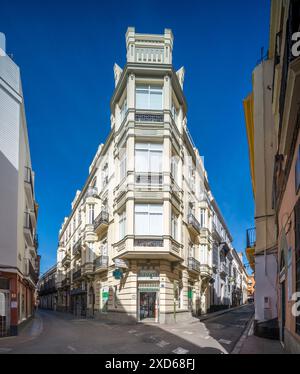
<point x="148" y="242"/>
<point x="101" y="219"/>
<point x="150" y="178"/>
<point x="28" y="222"/>
<point x="31" y="272"/>
<point x="101" y="262"/>
<point x="77" y="248"/>
<point x="194" y="222"/>
<point x="193" y="264"/>
<point x="251" y="237"/>
<point x="148" y="116"/>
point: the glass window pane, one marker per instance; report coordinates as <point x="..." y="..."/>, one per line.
<point x="141" y="161"/>
<point x="142" y="208"/>
<point x="156" y="146"/>
<point x="142" y="99"/>
<point x="156" y="224"/>
<point x="156" y="100"/>
<point x="141" y="224"/>
<point x="156" y="208"/>
<point x="156" y="161"/>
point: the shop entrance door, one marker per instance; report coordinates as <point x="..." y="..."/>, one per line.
<point x="148" y="306"/>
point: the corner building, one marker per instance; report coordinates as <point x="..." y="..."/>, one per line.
<point x="138" y="243"/>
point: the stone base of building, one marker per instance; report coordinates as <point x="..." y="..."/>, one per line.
<point x="267" y="329"/>
<point x="291" y="344"/>
<point x="181" y="316"/>
<point x="125" y="318"/>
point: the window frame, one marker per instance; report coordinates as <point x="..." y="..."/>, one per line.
<point x="148" y="89"/>
<point x="149" y="214"/>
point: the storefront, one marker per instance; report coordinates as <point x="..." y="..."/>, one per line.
<point x="148" y="295"/>
<point x="79" y="302"/>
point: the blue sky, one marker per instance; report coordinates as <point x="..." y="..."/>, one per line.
<point x="66" y="51"/>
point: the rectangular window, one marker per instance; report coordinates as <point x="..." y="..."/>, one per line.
<point x="91" y="214"/>
<point x="122" y="224"/>
<point x="104" y="249"/>
<point x="149" y="97"/>
<point x="148" y="157"/>
<point x="174" y="226"/>
<point x="174" y="113"/>
<point x="203" y="254"/>
<point x="149" y="219"/>
<point x="203" y="217"/>
<point x="191" y="250"/>
<point x="123" y="164"/>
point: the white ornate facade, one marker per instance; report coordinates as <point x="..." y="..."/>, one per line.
<point x="138" y="244"/>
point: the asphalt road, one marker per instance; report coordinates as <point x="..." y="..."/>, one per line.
<point x="59" y="333"/>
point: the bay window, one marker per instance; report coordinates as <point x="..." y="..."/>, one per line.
<point x="148" y="157"/>
<point x="148" y="97"/>
<point x="148" y="219"/>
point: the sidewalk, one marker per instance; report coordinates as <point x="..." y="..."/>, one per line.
<point x="251" y="344"/>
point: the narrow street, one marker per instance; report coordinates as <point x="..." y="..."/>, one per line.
<point x="53" y="332"/>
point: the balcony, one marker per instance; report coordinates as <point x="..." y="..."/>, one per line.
<point x="76" y="251"/>
<point x="100" y="263"/>
<point x="48" y="288"/>
<point x="205" y="271"/>
<point x="101" y="222"/>
<point x="216" y="232"/>
<point x="87" y="268"/>
<point x="31" y="273"/>
<point x="149" y="116"/>
<point x="148" y="242"/>
<point x="148" y="179"/>
<point x="65" y="282"/>
<point x="28" y="230"/>
<point x="28" y="182"/>
<point x="250" y="246"/>
<point x="76" y="274"/>
<point x="193" y="265"/>
<point x="66" y="260"/>
<point x="193" y="224"/>
<point x="223" y="269"/>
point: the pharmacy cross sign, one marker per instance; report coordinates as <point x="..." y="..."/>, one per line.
<point x="118" y="273"/>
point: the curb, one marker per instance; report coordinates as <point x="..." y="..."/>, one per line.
<point x="212" y="315"/>
<point x="237" y="348"/>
